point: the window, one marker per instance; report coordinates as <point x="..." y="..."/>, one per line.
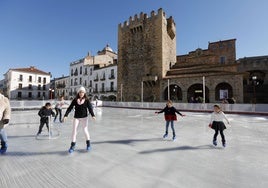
<point x="39" y="94"/>
<point x="96" y="87"/>
<point x="71" y="82"/>
<point x="30" y="95"/>
<point x="80" y="81"/>
<point x="44" y="87"/>
<point x="90" y="72"/>
<point x="102" y="87"/>
<point x="30" y="79"/>
<point x="81" y="70"/>
<point x="20" y="86"/>
<point x="39" y="79"/>
<point x="72" y="72"/>
<point x="222" y="60"/>
<point x="39" y="87"/>
<point x="112" y="74"/>
<point x="85" y="71"/>
<point x="44" y="80"/>
<point x="44" y="94"/>
<point x="19" y="94"/>
<point x="85" y="83"/>
<point x="112" y="86"/>
<point x="30" y="86"/>
<point x="90" y="83"/>
<point x="21" y="77"/>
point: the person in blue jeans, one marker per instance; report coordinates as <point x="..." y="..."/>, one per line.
<point x="170" y="116"/>
<point x="5" y="112"/>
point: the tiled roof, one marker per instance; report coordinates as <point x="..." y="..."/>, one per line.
<point x="31" y="69"/>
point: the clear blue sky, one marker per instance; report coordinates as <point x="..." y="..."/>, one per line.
<point x="49" y="34"/>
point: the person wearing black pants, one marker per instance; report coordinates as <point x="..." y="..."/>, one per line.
<point x="44" y="113"/>
<point x="218" y="125"/>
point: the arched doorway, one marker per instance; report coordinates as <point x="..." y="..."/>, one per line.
<point x="175" y="93"/>
<point x="195" y="91"/>
<point x="111" y="98"/>
<point x="223" y="91"/>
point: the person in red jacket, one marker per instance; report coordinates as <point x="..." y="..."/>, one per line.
<point x="170" y="116"/>
<point x="82" y="105"/>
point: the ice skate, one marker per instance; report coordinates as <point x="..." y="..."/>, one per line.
<point x="88" y="148"/>
<point x="215" y="142"/>
<point x="71" y="150"/>
<point x="174" y="138"/>
<point x="224" y="144"/>
<point x="3" y="149"/>
<point x="165" y="135"/>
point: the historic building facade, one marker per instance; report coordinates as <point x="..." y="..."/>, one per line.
<point x="98" y="74"/>
<point x="148" y="65"/>
<point x="146" y="50"/>
<point x="27" y="83"/>
<point x="256" y="80"/>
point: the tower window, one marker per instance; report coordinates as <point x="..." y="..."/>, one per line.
<point x="222" y="60"/>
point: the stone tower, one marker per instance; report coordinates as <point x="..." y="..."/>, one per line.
<point x="146" y="51"/>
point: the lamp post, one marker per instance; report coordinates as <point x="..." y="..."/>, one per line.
<point x="254" y="80"/>
<point x="51" y="92"/>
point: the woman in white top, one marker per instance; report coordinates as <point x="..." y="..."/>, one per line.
<point x="217" y="124"/>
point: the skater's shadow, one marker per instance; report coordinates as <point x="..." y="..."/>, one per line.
<point x="183" y="148"/>
<point x="21" y="136"/>
<point x="126" y="141"/>
<point x="29" y="153"/>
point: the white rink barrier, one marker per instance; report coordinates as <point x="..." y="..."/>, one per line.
<point x="207" y="107"/>
<point x="37" y="104"/>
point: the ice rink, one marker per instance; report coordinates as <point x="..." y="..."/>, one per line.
<point x="128" y="151"/>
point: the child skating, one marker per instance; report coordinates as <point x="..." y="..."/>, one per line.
<point x="5" y="112"/>
<point x="58" y="108"/>
<point x="45" y="112"/>
<point x="218" y="125"/>
<point x="170" y="116"/>
<point x="82" y="105"/>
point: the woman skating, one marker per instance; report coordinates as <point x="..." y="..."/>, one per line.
<point x="82" y="105"/>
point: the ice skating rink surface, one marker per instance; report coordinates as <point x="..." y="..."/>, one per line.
<point x="128" y="151"/>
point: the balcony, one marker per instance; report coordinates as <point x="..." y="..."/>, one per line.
<point x="111" y="77"/>
<point x="59" y="86"/>
<point x="96" y="79"/>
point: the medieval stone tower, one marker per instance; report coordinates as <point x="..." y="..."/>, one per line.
<point x="146" y="51"/>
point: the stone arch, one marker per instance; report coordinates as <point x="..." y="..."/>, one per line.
<point x="196" y="91"/>
<point x="223" y="91"/>
<point x="175" y="93"/>
<point x="111" y="98"/>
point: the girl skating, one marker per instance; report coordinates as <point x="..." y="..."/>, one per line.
<point x="82" y="105"/>
<point x="217" y="124"/>
<point x="170" y="116"/>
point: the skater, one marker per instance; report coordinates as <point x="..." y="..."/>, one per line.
<point x="217" y="124"/>
<point x="58" y="108"/>
<point x="82" y="105"/>
<point x="44" y="113"/>
<point x="170" y="116"/>
<point x="5" y="112"/>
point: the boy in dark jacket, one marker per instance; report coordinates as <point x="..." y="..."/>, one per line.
<point x="44" y="114"/>
<point x="170" y="116"/>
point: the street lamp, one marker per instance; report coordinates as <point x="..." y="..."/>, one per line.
<point x="254" y="82"/>
<point x="51" y="92"/>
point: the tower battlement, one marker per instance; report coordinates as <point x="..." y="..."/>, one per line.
<point x="138" y="20"/>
